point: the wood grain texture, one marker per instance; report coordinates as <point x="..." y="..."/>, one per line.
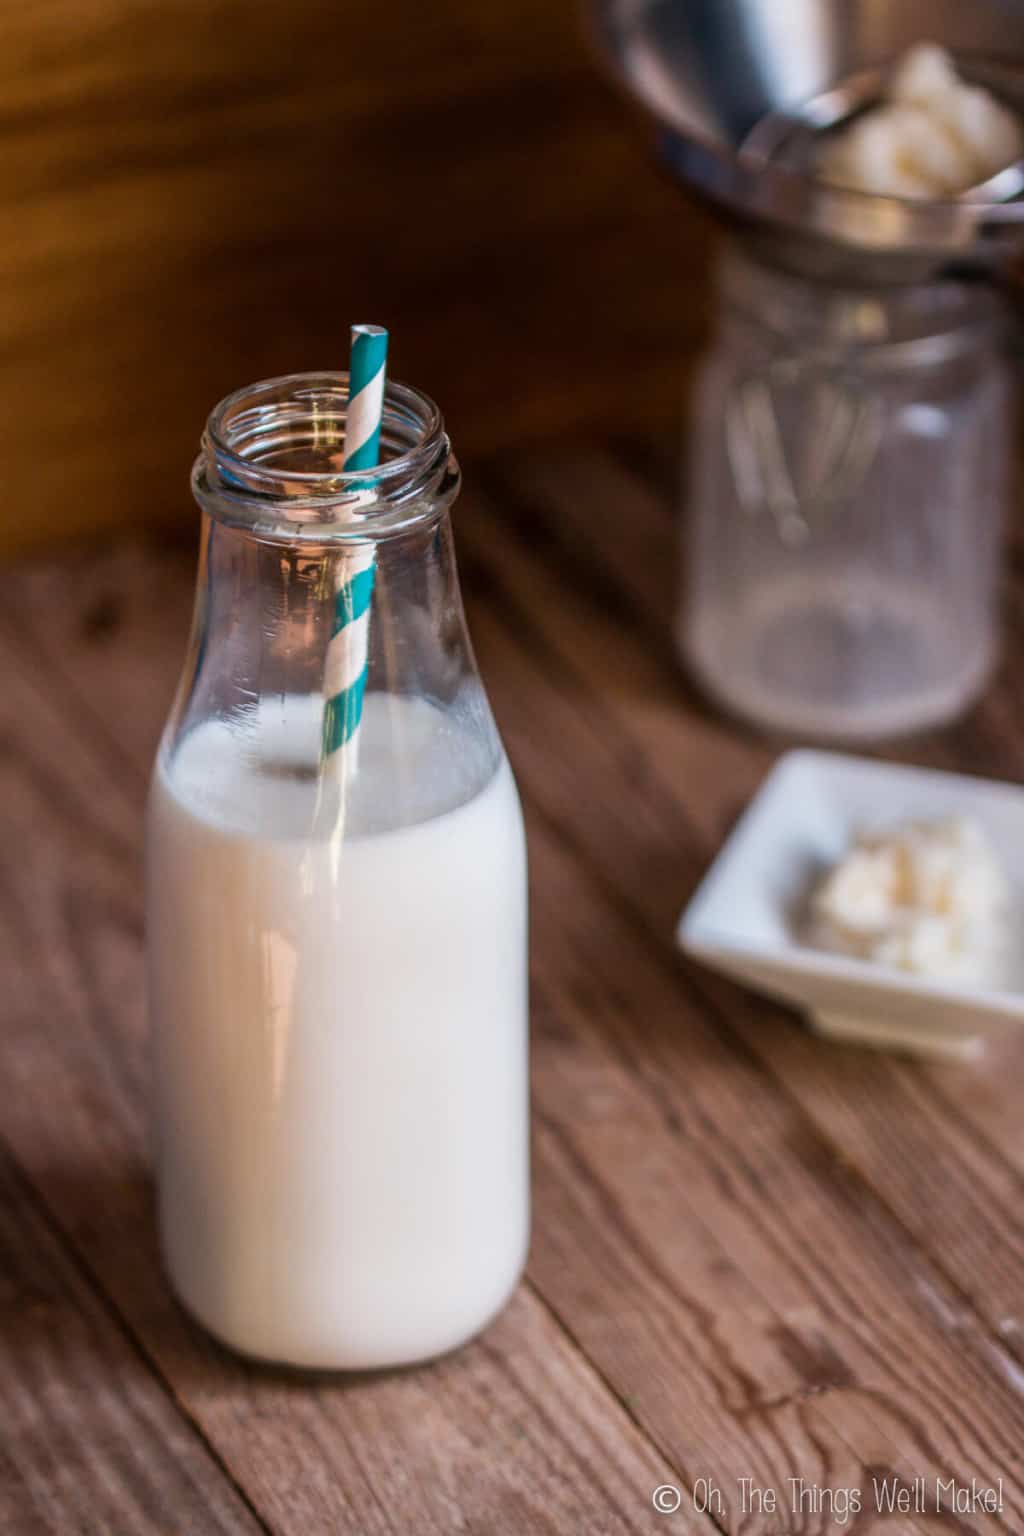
<point x="629" y="826"/>
<point x="200" y="193"/>
<point x="91" y="1441"/>
<point x="942" y="1148"/>
<point x="747" y="1285"/>
<point x="516" y="1433"/>
<point x="946" y="1147"/>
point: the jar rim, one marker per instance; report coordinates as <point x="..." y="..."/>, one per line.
<point x="880" y="324"/>
<point x="239" y="478"/>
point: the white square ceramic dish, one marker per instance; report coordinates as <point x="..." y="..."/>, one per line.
<point x="745" y="918"/>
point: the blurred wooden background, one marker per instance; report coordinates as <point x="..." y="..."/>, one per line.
<point x="198" y="193"/>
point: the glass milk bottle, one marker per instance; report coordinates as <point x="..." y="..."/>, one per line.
<point x="336" y="907"/>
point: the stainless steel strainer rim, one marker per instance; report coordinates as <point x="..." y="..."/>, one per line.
<point x="888" y="236"/>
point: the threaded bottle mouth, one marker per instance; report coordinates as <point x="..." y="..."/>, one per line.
<point x="271" y="455"/>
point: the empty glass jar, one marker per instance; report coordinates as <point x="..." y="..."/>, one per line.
<point x="848" y="475"/>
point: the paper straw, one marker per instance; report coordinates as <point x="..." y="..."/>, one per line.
<point x="346" y="662"/>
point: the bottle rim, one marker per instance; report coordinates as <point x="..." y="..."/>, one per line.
<point x="250" y="473"/>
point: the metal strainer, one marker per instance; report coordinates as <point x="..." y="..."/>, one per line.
<point x="745" y="89"/>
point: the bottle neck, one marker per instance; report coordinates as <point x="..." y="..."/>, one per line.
<point x="267" y="611"/>
<point x="329" y="668"/>
<point x="271" y="459"/>
<point x="288" y="530"/>
<point x="264" y="672"/>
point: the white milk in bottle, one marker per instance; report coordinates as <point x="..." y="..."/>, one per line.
<point x="337" y="969"/>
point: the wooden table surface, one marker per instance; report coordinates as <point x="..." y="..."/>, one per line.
<point x="754" y="1255"/>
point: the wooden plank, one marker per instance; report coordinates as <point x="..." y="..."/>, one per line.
<point x="944" y="1147"/>
<point x="517" y="1432"/>
<point x="757" y="1310"/>
<point x="725" y="1239"/>
<point x="91" y="1440"/>
<point x="696" y="758"/>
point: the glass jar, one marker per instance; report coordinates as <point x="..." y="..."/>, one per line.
<point x="336" y="908"/>
<point x="848" y="477"/>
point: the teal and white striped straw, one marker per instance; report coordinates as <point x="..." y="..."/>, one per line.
<point x="347" y="651"/>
